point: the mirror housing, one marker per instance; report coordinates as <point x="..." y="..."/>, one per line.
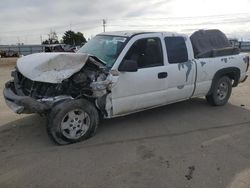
<point x="128" y="66"/>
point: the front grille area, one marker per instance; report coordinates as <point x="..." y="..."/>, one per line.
<point x="34" y="89"/>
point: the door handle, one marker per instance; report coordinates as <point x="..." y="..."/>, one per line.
<point x="162" y="75"/>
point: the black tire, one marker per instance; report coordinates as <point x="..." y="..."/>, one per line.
<point x="60" y="112"/>
<point x="217" y="98"/>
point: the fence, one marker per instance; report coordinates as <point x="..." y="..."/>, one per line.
<point x="23" y="49"/>
<point x="244" y="46"/>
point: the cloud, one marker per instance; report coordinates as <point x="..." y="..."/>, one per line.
<point x="26" y="20"/>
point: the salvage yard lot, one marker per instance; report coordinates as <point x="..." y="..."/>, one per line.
<point x="188" y="144"/>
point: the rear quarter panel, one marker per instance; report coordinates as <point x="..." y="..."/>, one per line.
<point x="207" y="68"/>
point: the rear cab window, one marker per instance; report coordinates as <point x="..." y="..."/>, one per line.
<point x="176" y="49"/>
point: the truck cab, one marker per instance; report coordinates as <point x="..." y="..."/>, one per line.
<point x="163" y="70"/>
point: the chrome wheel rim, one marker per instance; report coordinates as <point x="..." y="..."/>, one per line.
<point x="75" y="124"/>
<point x="222" y="90"/>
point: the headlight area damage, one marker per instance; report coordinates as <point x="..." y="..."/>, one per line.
<point x="43" y="80"/>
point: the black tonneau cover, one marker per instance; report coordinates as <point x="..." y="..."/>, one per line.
<point x="211" y="43"/>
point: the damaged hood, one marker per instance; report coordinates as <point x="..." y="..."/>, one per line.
<point x="51" y="67"/>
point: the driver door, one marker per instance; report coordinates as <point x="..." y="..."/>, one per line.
<point x="147" y="86"/>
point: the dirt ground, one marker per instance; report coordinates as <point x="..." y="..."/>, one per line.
<point x="6" y="66"/>
<point x="188" y="144"/>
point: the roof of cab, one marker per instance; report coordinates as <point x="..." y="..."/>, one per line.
<point x="134" y="32"/>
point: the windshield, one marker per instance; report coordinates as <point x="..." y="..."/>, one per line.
<point x="105" y="48"/>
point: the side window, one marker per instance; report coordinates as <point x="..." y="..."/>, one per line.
<point x="176" y="49"/>
<point x="146" y="52"/>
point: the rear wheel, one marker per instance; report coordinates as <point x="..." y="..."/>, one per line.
<point x="72" y="121"/>
<point x="221" y="92"/>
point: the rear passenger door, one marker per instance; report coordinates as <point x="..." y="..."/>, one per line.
<point x="180" y="68"/>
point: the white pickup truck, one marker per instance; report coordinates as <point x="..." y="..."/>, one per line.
<point x="118" y="73"/>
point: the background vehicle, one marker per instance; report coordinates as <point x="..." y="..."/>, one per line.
<point x="60" y="48"/>
<point x="119" y="73"/>
<point x="54" y="48"/>
<point x="9" y="53"/>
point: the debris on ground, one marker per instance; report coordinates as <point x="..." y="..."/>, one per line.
<point x="189" y="175"/>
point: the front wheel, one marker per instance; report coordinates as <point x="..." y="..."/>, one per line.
<point x="221" y="92"/>
<point x="72" y="121"/>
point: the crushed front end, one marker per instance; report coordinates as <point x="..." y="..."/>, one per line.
<point x="23" y="95"/>
<point x="38" y="94"/>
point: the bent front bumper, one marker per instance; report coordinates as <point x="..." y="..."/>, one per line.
<point x="26" y="104"/>
<point x="22" y="104"/>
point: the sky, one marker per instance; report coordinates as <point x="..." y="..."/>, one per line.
<point x="30" y="21"/>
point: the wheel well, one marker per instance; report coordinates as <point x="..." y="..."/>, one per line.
<point x="95" y="101"/>
<point x="234" y="77"/>
<point x="232" y="72"/>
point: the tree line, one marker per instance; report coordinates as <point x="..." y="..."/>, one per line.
<point x="69" y="37"/>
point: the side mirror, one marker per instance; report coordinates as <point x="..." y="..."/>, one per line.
<point x="128" y="66"/>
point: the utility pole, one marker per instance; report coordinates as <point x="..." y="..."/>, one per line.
<point x="104" y="22"/>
